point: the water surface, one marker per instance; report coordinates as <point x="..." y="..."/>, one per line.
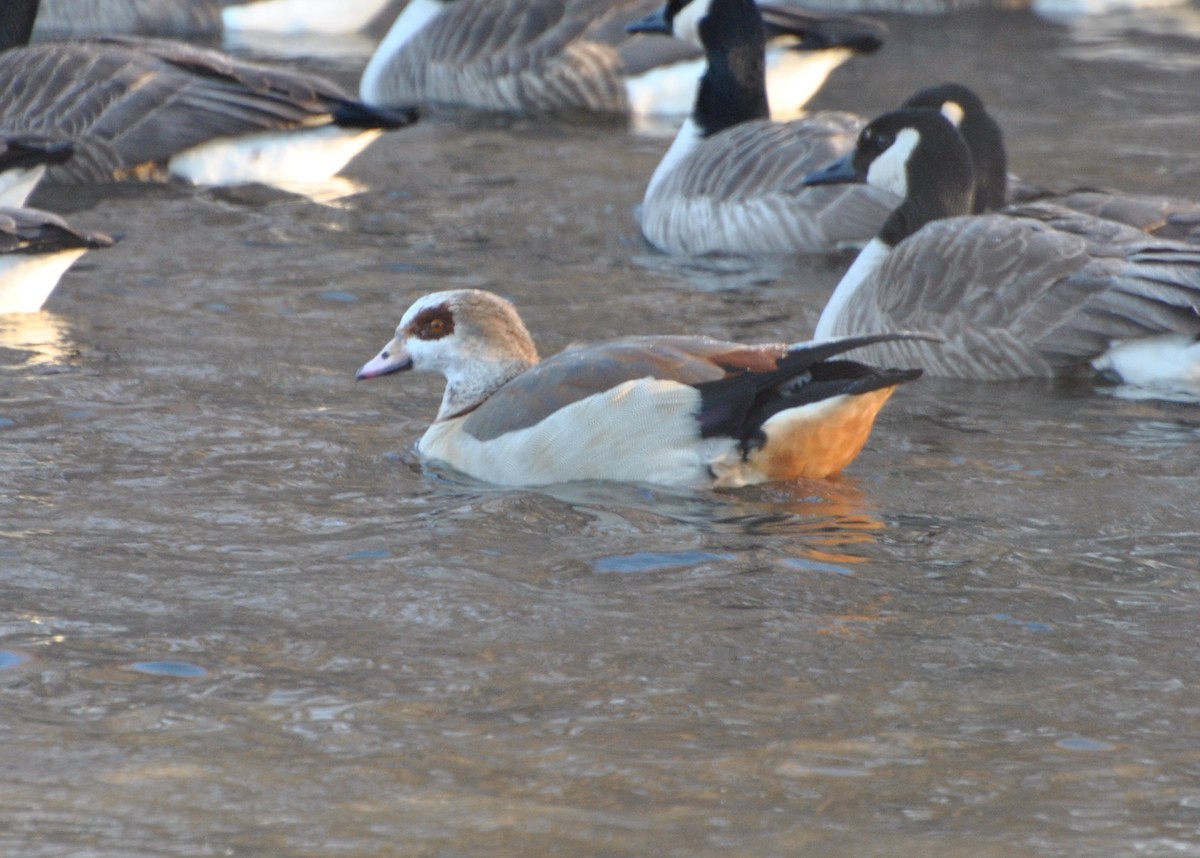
<point x="238" y="617"/>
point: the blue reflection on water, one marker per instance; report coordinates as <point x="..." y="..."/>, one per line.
<point x="169" y="668"/>
<point x="650" y="561"/>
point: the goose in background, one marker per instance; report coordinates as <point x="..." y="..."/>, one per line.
<point x="147" y="109"/>
<point x="62" y="19"/>
<point x="36" y="249"/>
<point x="303" y="16"/>
<point x="733" y="179"/>
<point x="547" y="56"/>
<point x="23" y="162"/>
<point x="1167" y="217"/>
<point x="1036" y="291"/>
<point x="673" y="410"/>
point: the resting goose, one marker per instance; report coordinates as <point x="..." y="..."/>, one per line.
<point x="733" y="179"/>
<point x="145" y="109"/>
<point x="23" y="162"/>
<point x="1033" y="291"/>
<point x="36" y="248"/>
<point x="1168" y="217"/>
<point x="555" y="56"/>
<point x="674" y="410"/>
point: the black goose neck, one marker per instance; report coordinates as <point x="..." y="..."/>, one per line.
<point x="16" y="23"/>
<point x="986" y="141"/>
<point x="939" y="178"/>
<point x="734" y="86"/>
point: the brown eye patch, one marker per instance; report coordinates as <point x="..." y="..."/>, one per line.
<point x="432" y="323"/>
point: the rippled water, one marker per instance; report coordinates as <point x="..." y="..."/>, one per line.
<point x="238" y="617"/>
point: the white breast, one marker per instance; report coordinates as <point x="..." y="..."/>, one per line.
<point x="26" y="280"/>
<point x="858" y="275"/>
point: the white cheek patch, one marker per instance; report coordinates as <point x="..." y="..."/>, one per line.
<point x="889" y="171"/>
<point x="953" y="111"/>
<point x="686" y="25"/>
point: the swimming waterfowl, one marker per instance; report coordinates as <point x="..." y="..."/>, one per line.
<point x="147" y="108"/>
<point x="36" y="248"/>
<point x="733" y="180"/>
<point x="1168" y="217"/>
<point x="23" y="162"/>
<point x="1034" y="291"/>
<point x="672" y="410"/>
<point x="548" y="56"/>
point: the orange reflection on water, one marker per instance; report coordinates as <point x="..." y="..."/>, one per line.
<point x="828" y="518"/>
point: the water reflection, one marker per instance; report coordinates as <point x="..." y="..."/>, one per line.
<point x="1164" y="39"/>
<point x="35" y="339"/>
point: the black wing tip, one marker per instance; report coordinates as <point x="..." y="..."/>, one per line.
<point x="819" y="350"/>
<point x="31" y="151"/>
<point x="356" y="114"/>
<point x="818" y="31"/>
<point x="97" y="240"/>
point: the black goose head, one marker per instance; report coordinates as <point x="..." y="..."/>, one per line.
<point x="982" y="134"/>
<point x="734" y="86"/>
<point x="916" y="154"/>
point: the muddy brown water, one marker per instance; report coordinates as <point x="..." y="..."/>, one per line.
<point x="239" y="617"/>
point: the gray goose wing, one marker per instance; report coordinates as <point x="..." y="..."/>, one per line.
<point x="512" y="55"/>
<point x="1166" y="217"/>
<point x="75" y="18"/>
<point x="1018" y="297"/>
<point x="753" y="157"/>
<point x="760" y="166"/>
<point x="131" y="104"/>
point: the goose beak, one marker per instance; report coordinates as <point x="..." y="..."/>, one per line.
<point x="840" y="172"/>
<point x="393" y="358"/>
<point x="655" y="22"/>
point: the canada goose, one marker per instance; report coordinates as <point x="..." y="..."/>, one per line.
<point x="145" y="109"/>
<point x="546" y="56"/>
<point x="61" y="19"/>
<point x="36" y="248"/>
<point x="733" y="180"/>
<point x="23" y="162"/>
<point x="1033" y="291"/>
<point x="1167" y="217"/>
<point x="675" y="410"/>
